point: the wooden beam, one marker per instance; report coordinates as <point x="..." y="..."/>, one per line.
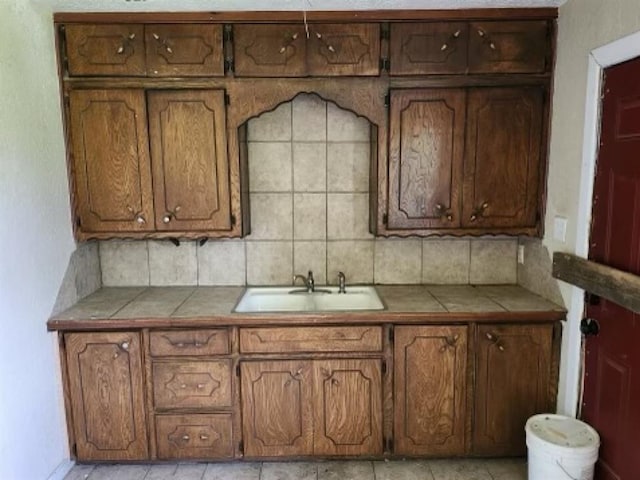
<point x="616" y="285"/>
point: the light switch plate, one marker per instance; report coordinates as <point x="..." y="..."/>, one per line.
<point x="560" y="229"/>
<point x="521" y="254"/>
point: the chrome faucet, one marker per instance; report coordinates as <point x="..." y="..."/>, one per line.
<point x="309" y="282"/>
<point x="341" y="283"/>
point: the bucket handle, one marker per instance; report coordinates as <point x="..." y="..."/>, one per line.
<point x="566" y="473"/>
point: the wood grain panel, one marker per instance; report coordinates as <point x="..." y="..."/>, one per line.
<point x="190" y="164"/>
<point x="184" y="50"/>
<point x="105" y="49"/>
<point x="426" y="148"/>
<point x="200" y="342"/>
<point x="508" y="47"/>
<point x="311" y="339"/>
<point x="111" y="160"/>
<point x="270" y="50"/>
<point x="513" y="370"/>
<point x="277" y="408"/>
<point x="430" y="390"/>
<point x="194" y="436"/>
<point x="107" y="395"/>
<point x="428" y="48"/>
<point x="338" y="49"/>
<point x="502" y="159"/>
<point x="347" y="407"/>
<point x="201" y="384"/>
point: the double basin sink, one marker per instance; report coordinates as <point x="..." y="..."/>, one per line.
<point x="323" y="299"/>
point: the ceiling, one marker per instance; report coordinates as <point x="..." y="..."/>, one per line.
<point x="235" y="5"/>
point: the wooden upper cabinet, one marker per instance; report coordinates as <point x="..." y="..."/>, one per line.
<point x="190" y="167"/>
<point x="343" y="49"/>
<point x="184" y="50"/>
<point x="269" y="50"/>
<point x="107" y="400"/>
<point x="111" y="161"/>
<point x="513" y="373"/>
<point x="509" y="47"/>
<point x="502" y="159"/>
<point x="426" y="147"/>
<point x="430" y="390"/>
<point x="105" y="49"/>
<point x="428" y="48"/>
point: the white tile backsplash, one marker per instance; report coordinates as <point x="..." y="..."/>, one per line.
<point x="309" y="183"/>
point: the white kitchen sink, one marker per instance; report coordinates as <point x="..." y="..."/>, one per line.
<point x="324" y="299"/>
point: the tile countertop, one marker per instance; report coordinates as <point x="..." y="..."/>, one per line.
<point x="161" y="307"/>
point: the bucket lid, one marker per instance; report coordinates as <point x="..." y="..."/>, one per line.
<point x="563" y="431"/>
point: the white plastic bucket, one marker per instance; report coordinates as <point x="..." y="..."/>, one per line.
<point x="561" y="448"/>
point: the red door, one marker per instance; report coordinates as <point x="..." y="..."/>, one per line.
<point x="612" y="381"/>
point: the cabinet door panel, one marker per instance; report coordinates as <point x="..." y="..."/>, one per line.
<point x="428" y="48"/>
<point x="426" y="148"/>
<point x="106" y="390"/>
<point x="430" y="390"/>
<point x="502" y="161"/>
<point x="105" y="49"/>
<point x="352" y="49"/>
<point x="184" y="50"/>
<point x="190" y="167"/>
<point x="347" y="407"/>
<point x="111" y="160"/>
<point x="513" y="370"/>
<point x="270" y="50"/>
<point x="277" y="408"/>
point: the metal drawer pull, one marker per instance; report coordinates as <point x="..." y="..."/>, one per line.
<point x="185" y="437"/>
<point x="187" y="344"/>
<point x="204" y="437"/>
<point x="200" y="386"/>
<point x="444" y="47"/>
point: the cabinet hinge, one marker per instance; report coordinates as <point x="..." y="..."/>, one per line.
<point x="385" y="64"/>
<point x="228" y="65"/>
<point x="74" y="451"/>
<point x="228" y="33"/>
<point x="233" y="219"/>
<point x="227" y="100"/>
<point x="241" y="447"/>
<point x="387" y="100"/>
<point x="384" y="367"/>
<point x="391" y="334"/>
<point x="237" y="370"/>
<point x="384" y="31"/>
<point x="385" y="218"/>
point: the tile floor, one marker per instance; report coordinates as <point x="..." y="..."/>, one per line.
<point x="499" y="469"/>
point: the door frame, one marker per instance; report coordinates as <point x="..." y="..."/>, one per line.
<point x="618" y="51"/>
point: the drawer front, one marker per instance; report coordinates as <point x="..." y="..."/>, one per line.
<point x="339" y="49"/>
<point x="508" y="47"/>
<point x="428" y="48"/>
<point x="184" y="50"/>
<point x="269" y="50"/>
<point x="194" y="436"/>
<point x="311" y="339"/>
<point x="169" y="343"/>
<point x="204" y="384"/>
<point x="105" y="49"/>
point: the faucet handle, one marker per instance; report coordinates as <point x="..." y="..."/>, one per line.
<point x="341" y="282"/>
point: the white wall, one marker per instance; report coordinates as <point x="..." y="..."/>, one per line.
<point x="35" y="244"/>
<point x="583" y="25"/>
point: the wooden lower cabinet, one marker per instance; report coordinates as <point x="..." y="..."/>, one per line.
<point x="106" y="395"/>
<point x="430" y="370"/>
<point x="513" y="373"/>
<point x="312" y="407"/>
<point x="194" y="436"/>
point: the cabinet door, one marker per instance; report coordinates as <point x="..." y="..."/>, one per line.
<point x="270" y="50"/>
<point x="430" y="390"/>
<point x="513" y="371"/>
<point x="348" y="49"/>
<point x="428" y="48"/>
<point x="190" y="163"/>
<point x="184" y="50"/>
<point x="106" y="392"/>
<point x="426" y="147"/>
<point x="347" y="407"/>
<point x="502" y="160"/>
<point x="105" y="49"/>
<point x="277" y="408"/>
<point x="111" y="160"/>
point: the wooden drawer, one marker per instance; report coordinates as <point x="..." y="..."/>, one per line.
<point x="194" y="436"/>
<point x="203" y="384"/>
<point x="184" y="50"/>
<point x="311" y="339"/>
<point x="428" y="48"/>
<point x="508" y="47"/>
<point x="169" y="343"/>
<point x="343" y="49"/>
<point x="105" y="49"/>
<point x="269" y="50"/>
